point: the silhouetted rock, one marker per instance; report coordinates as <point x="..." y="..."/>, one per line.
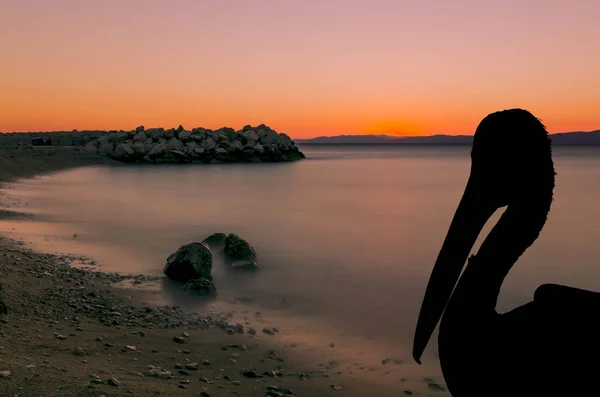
<point x="237" y="248"/>
<point x="201" y="145"/>
<point x="191" y="261"/>
<point x="201" y="286"/>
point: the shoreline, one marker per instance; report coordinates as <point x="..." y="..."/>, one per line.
<point x="29" y="162"/>
<point x="48" y="298"/>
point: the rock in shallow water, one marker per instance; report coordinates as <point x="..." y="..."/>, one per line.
<point x="189" y="262"/>
<point x="201" y="286"/>
<point x="237" y="248"/>
<point x="245" y="266"/>
<point x="215" y="238"/>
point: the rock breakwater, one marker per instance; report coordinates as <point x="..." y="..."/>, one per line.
<point x="157" y="145"/>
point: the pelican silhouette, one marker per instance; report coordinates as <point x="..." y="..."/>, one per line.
<point x="546" y="347"/>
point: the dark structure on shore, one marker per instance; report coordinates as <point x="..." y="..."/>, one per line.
<point x="39" y="141"/>
<point x="548" y="347"/>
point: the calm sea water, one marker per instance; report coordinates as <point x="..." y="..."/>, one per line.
<point x="347" y="239"/>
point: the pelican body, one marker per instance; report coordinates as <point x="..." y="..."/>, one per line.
<point x="547" y="347"/>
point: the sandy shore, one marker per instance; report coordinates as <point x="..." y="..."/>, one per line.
<point x="74" y="332"/>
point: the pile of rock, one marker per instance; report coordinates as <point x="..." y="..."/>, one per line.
<point x="157" y="145"/>
<point x="192" y="263"/>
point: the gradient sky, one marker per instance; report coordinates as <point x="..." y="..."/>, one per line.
<point x="305" y="67"/>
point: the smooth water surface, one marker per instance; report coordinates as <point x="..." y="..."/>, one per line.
<point x="346" y="239"/>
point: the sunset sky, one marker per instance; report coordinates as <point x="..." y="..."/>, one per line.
<point x="304" y="67"/>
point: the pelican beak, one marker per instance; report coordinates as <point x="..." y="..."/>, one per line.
<point x="470" y="217"/>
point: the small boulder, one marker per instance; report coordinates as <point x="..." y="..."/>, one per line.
<point x="105" y="148"/>
<point x="140" y="136"/>
<point x="201" y="286"/>
<point x="175" y="144"/>
<point x="271" y="137"/>
<point x="158" y="149"/>
<point x="185" y="136"/>
<point x="140" y="148"/>
<point x="235" y="146"/>
<point x="238" y="249"/>
<point x="250" y="135"/>
<point x="222" y="137"/>
<point x="215" y="238"/>
<point x="191" y="261"/>
<point x="123" y="152"/>
<point x="117" y="137"/>
<point x="209" y="144"/>
<point x="179" y="156"/>
<point x="113" y="381"/>
<point x="155" y="133"/>
<point x="245" y="266"/>
<point x="198" y="134"/>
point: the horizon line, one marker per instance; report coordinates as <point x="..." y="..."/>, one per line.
<point x="295" y="139"/>
<point x="424" y="136"/>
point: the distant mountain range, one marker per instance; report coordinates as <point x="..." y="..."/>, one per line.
<point x="563" y="138"/>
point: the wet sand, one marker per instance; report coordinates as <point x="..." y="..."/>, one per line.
<point x="75" y="332"/>
<point x="30" y="161"/>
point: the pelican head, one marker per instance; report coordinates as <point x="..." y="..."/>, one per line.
<point x="511" y="165"/>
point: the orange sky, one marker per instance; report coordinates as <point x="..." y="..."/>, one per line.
<point x="304" y="67"/>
